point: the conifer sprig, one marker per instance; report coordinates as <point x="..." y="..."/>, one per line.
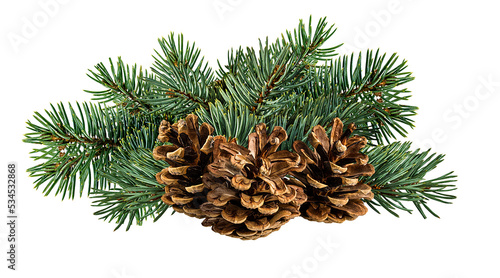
<point x="78" y="141"/>
<point x="182" y="78"/>
<point x="125" y="86"/>
<point x="261" y="79"/>
<point x="400" y="178"/>
<point x="137" y="194"/>
<point x="376" y="82"/>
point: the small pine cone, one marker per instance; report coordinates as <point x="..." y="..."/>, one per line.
<point x="331" y="177"/>
<point x="188" y="156"/>
<point x="249" y="197"/>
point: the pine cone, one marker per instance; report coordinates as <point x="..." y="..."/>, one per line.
<point x="331" y="176"/>
<point x="249" y="197"/>
<point x="188" y="156"/>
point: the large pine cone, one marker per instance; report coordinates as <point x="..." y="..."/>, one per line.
<point x="248" y="196"/>
<point x="331" y="176"/>
<point x="188" y="157"/>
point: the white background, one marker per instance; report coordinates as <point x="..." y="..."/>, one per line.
<point x="452" y="49"/>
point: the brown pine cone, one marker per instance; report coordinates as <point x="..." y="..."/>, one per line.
<point x="248" y="196"/>
<point x="331" y="177"/>
<point x="188" y="157"/>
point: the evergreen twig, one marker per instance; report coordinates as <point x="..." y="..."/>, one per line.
<point x="137" y="194"/>
<point x="183" y="78"/>
<point x="376" y="83"/>
<point x="78" y="141"/>
<point x="260" y="79"/>
<point x="399" y="179"/>
<point x="126" y="86"/>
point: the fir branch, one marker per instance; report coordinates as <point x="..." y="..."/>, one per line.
<point x="399" y="178"/>
<point x="135" y="204"/>
<point x="259" y="79"/>
<point x="137" y="194"/>
<point x="183" y="79"/>
<point x="126" y="86"/>
<point x="376" y="83"/>
<point x="77" y="142"/>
